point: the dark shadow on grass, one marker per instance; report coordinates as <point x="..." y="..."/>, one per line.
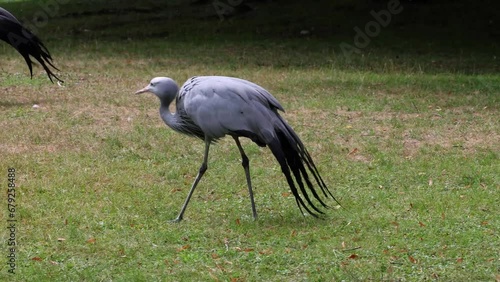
<point x="427" y="36"/>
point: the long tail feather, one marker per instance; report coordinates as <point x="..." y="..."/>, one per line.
<point x="26" y="43"/>
<point x="280" y="155"/>
<point x="307" y="159"/>
<point x="293" y="156"/>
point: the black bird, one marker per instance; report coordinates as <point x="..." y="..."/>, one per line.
<point x="26" y="43"/>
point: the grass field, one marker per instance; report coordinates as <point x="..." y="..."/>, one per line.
<point x="405" y="134"/>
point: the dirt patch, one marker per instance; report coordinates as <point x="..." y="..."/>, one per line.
<point x="358" y="156"/>
<point x="117" y="117"/>
<point x="411" y="147"/>
<point x="458" y="128"/>
<point x="469" y="141"/>
<point x="23" y="148"/>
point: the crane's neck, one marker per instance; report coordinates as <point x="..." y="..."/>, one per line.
<point x="170" y="118"/>
<point x="167" y="96"/>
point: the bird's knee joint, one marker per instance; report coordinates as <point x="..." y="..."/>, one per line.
<point x="244" y="161"/>
<point x="203" y="168"/>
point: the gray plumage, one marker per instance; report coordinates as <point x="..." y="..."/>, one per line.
<point x="211" y="107"/>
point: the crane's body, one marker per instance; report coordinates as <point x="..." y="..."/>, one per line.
<point x="211" y="107"/>
<point x="26" y="43"/>
<point x="205" y="101"/>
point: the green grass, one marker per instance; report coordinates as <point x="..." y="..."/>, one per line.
<point x="407" y="141"/>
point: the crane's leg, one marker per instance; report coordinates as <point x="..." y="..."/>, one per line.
<point x="202" y="170"/>
<point x="246" y="165"/>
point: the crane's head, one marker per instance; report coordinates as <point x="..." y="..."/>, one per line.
<point x="164" y="88"/>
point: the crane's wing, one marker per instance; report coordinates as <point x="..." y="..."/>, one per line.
<point x="26" y="43"/>
<point x="226" y="105"/>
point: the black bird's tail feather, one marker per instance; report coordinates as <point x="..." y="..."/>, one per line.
<point x="293" y="156"/>
<point x="33" y="46"/>
<point x="26" y="43"/>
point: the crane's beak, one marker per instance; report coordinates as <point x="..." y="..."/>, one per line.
<point x="143" y="90"/>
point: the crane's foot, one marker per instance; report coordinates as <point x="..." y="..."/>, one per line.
<point x="176" y="220"/>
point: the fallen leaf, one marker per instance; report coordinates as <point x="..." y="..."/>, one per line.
<point x="215" y="256"/>
<point x="430" y="182"/>
<point x="343" y="245"/>
<point x="460" y="260"/>
<point x="247" y="250"/>
<point x="353" y="256"/>
<point x="61" y="239"/>
<point x="484" y="222"/>
<point x="421" y="224"/>
<point x="185" y="247"/>
<point x="353" y="151"/>
<point x="412" y="259"/>
<point x="91" y="241"/>
<point x="54" y="262"/>
<point x="294" y="233"/>
<point x="238" y="221"/>
<point x="286" y="194"/>
<point x="36" y="258"/>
